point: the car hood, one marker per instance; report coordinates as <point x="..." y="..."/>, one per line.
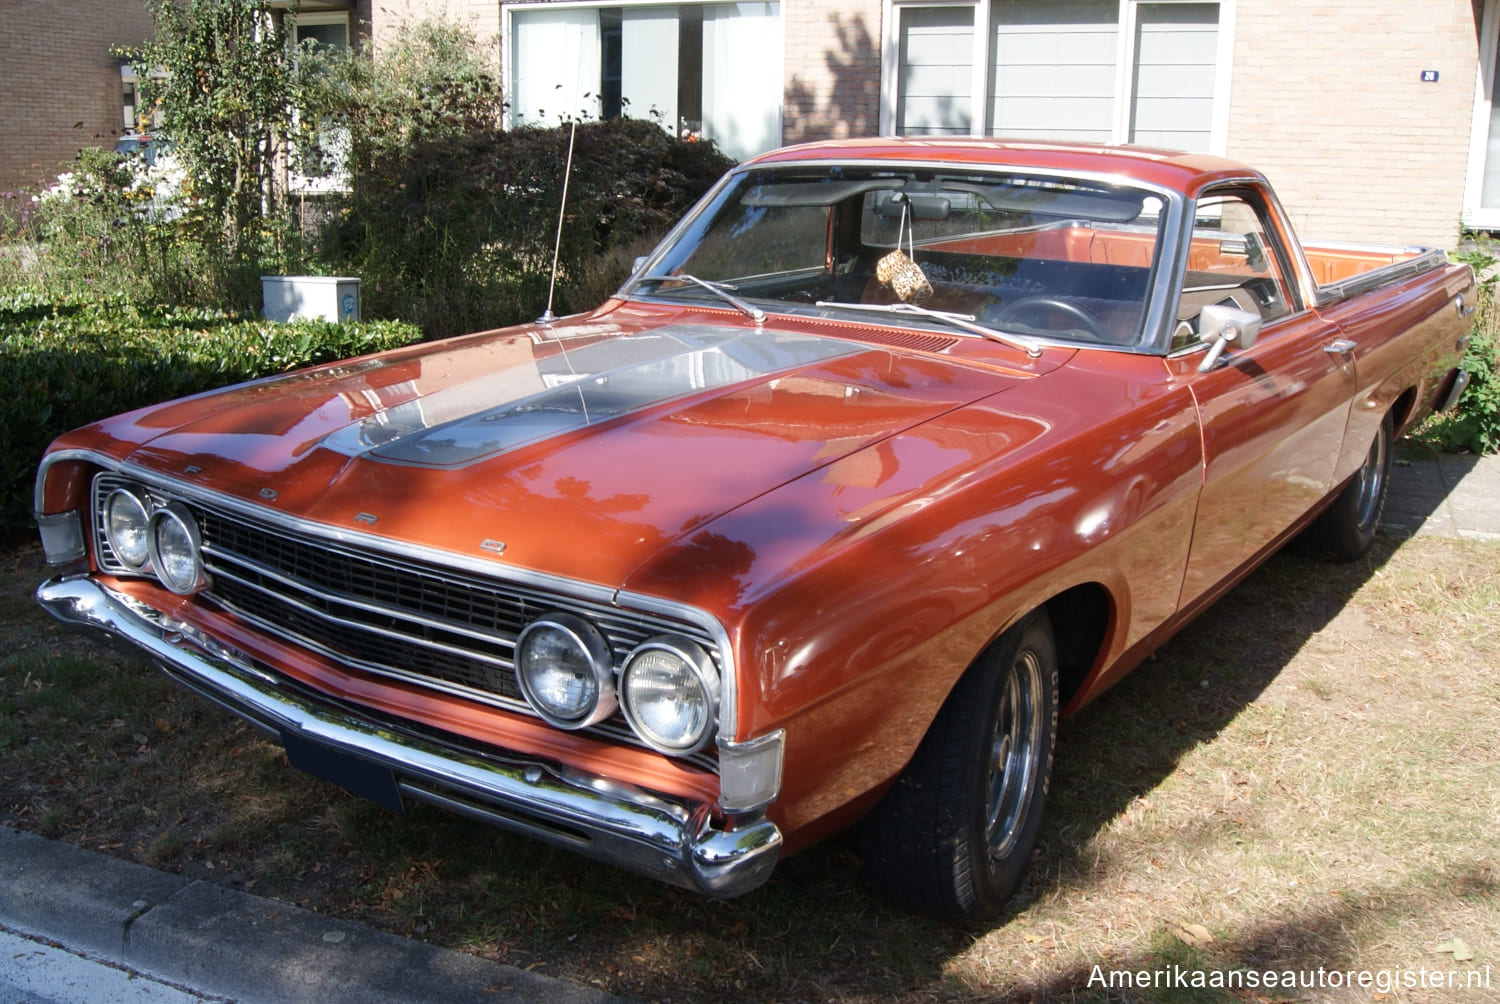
<point x="578" y="449"/>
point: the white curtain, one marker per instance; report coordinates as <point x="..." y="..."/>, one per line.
<point x="935" y="90"/>
<point x="648" y="64"/>
<point x="742" y="83"/>
<point x="555" y="54"/>
<point x="1053" y="69"/>
<point x="1176" y="62"/>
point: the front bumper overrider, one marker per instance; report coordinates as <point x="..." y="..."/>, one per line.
<point x="671" y="840"/>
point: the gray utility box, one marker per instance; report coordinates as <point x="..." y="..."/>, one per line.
<point x="325" y="297"/>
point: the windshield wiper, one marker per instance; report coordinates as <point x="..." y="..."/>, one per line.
<point x="964" y="322"/>
<point x="719" y="289"/>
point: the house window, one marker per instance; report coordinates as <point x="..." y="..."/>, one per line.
<point x="1053" y="69"/>
<point x="329" y="30"/>
<point x="324" y="31"/>
<point x="1174" y="73"/>
<point x="710" y="71"/>
<point x="136" y="115"/>
<point x="1087" y="70"/>
<point x="1482" y="187"/>
<point x="936" y="71"/>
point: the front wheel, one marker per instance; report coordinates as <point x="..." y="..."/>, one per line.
<point x="953" y="836"/>
<point x="1346" y="529"/>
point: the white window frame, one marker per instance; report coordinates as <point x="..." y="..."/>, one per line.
<point x="1474" y="213"/>
<point x="310" y="18"/>
<point x="890" y="68"/>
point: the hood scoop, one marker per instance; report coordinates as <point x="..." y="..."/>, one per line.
<point x="564" y="390"/>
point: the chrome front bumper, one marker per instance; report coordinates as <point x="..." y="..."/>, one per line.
<point x="666" y="839"/>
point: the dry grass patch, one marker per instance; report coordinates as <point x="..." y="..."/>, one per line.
<point x="1343" y="817"/>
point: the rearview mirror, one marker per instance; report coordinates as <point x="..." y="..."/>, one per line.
<point x="921" y="207"/>
<point x="1224" y="326"/>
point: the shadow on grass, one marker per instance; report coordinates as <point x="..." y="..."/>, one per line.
<point x="1129" y="740"/>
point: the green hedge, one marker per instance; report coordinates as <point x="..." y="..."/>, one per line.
<point x="63" y="365"/>
<point x="458" y="235"/>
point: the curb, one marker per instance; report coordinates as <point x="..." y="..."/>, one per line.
<point x="235" y="945"/>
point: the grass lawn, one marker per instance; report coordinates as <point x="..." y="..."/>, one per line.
<point x="1307" y="778"/>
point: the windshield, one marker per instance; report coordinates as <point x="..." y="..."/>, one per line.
<point x="1031" y="255"/>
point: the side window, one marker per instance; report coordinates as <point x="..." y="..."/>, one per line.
<point x="1233" y="260"/>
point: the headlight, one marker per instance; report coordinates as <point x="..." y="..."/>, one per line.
<point x="566" y="671"/>
<point x="174" y="549"/>
<point x="127" y="528"/>
<point x="670" y="691"/>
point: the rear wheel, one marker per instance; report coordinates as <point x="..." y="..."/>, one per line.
<point x="953" y="836"/>
<point x="1346" y="529"/>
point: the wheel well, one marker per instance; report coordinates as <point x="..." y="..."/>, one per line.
<point x="1403" y="410"/>
<point x="1080" y="618"/>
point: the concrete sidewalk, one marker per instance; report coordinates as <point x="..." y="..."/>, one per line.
<point x="1443" y="494"/>
<point x="76" y="925"/>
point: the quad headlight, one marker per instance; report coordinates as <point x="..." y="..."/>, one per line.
<point x="566" y="671"/>
<point x="127" y="529"/>
<point x="176" y="549"/>
<point x="670" y="693"/>
<point x="149" y="537"/>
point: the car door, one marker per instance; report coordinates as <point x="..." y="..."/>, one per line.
<point x="1272" y="415"/>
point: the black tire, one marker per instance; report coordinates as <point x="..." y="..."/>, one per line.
<point x="1346" y="529"/>
<point x="953" y="836"/>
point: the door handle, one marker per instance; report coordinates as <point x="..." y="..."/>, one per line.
<point x="1340" y="347"/>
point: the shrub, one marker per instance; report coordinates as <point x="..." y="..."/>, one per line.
<point x="1474" y="425"/>
<point x="85" y="233"/>
<point x="230" y="94"/>
<point x="432" y="81"/>
<point x="64" y="364"/>
<point x="457" y="234"/>
<point x="202" y="224"/>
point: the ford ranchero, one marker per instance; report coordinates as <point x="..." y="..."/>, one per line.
<point x="892" y="452"/>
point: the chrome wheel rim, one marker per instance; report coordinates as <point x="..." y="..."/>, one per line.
<point x="1014" y="754"/>
<point x="1371" y="476"/>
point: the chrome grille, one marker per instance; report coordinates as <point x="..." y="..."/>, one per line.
<point x="396" y="617"/>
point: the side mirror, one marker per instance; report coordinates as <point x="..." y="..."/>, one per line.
<point x="1224" y="326"/>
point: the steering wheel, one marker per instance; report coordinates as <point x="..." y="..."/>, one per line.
<point x="1088" y="323"/>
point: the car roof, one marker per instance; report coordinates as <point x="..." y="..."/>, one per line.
<point x="1173" y="169"/>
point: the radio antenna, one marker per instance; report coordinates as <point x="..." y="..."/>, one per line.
<point x="548" y="316"/>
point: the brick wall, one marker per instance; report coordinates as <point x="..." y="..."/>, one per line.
<point x="482" y="17"/>
<point x="59" y="84"/>
<point x="832" y="69"/>
<point x="1328" y="100"/>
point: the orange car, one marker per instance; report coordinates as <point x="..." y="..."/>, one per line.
<point x="891" y="453"/>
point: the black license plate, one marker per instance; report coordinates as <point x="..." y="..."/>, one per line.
<point x="362" y="778"/>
